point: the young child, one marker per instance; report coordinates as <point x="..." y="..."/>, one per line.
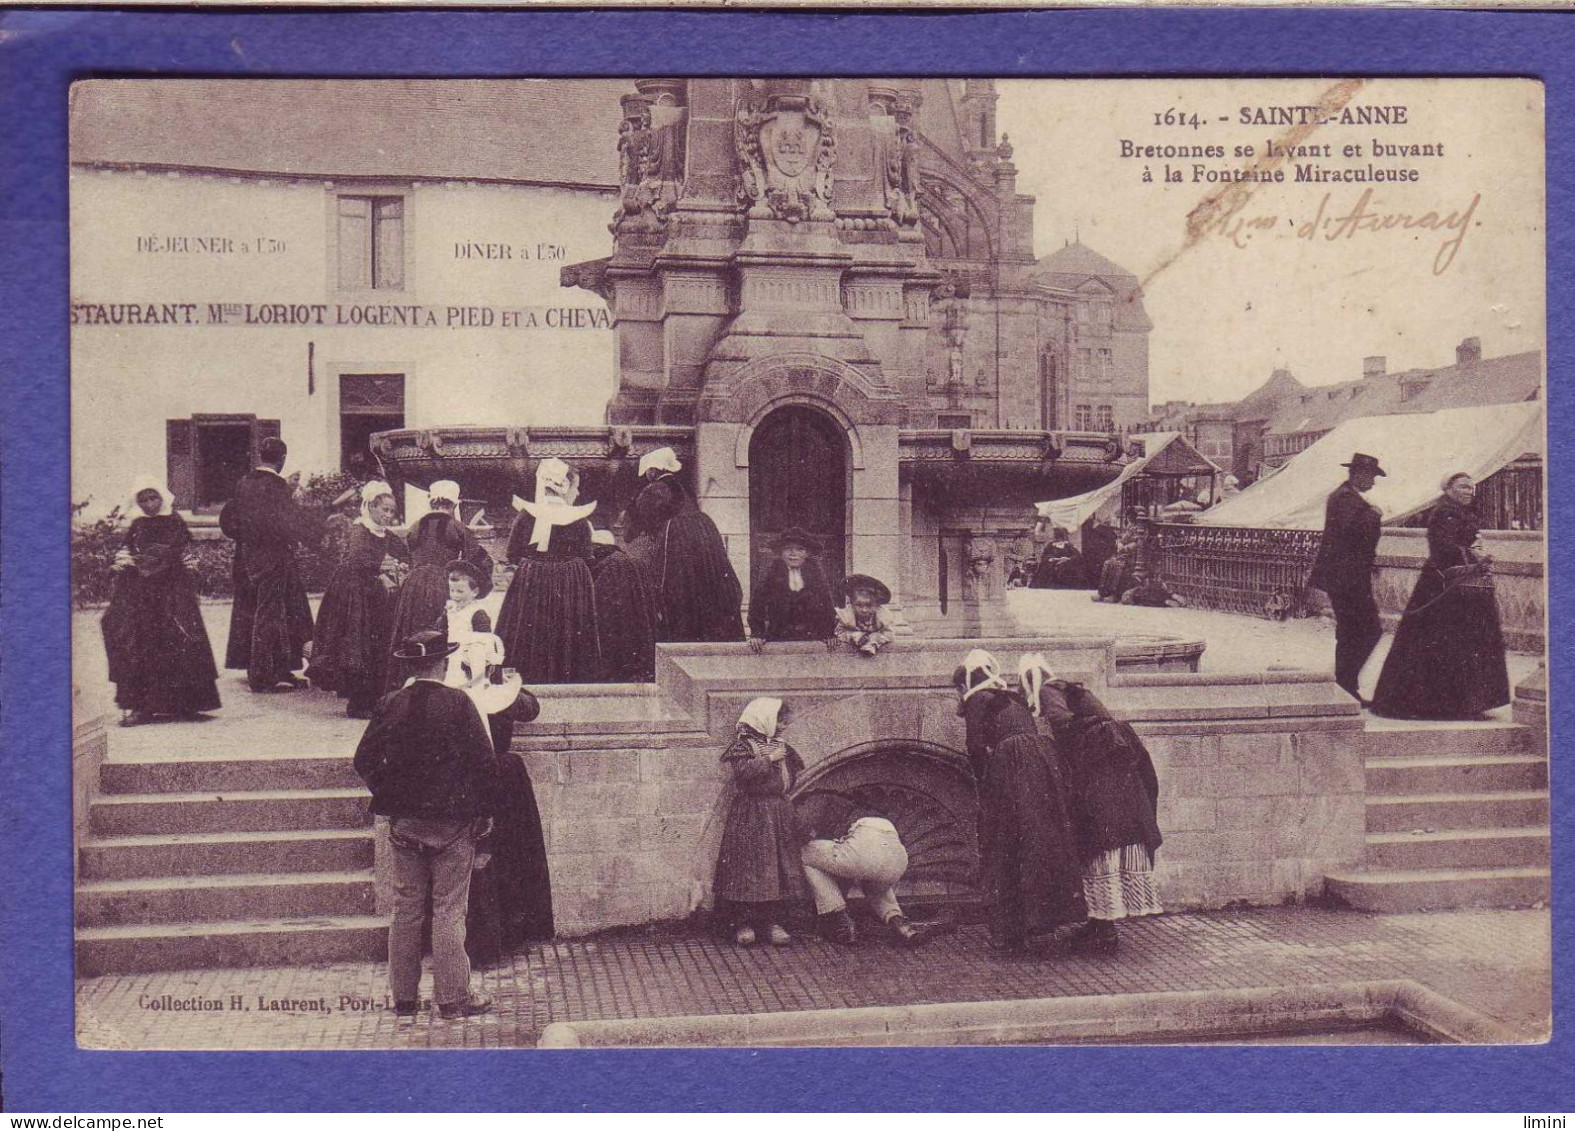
<point x="758" y="873"/>
<point x="860" y="624"/>
<point x="1150" y="591"/>
<point x="467" y="620"/>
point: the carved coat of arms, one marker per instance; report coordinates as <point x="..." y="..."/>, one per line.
<point x="786" y="148"/>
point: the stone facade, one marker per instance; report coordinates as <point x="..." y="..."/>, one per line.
<point x="1262" y="788"/>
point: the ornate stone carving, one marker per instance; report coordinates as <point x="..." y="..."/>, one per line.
<point x="650" y="160"/>
<point x="786" y="144"/>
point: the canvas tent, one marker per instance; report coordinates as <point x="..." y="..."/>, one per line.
<point x="1164" y="453"/>
<point x="1417" y="450"/>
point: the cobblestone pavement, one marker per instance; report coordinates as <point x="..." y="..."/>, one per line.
<point x="1497" y="962"/>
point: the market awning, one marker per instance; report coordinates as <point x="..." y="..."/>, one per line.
<point x="1164" y="453"/>
<point x="1416" y="450"/>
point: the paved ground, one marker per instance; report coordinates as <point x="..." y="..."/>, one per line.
<point x="1496" y="962"/>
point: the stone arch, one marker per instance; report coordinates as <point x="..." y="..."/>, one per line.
<point x="746" y="394"/>
<point x="808" y="400"/>
<point x="927" y="791"/>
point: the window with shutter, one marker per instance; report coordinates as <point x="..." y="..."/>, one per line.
<point x="371" y="233"/>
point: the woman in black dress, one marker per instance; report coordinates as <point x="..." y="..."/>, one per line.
<point x="1447" y="659"/>
<point x="350" y="648"/>
<point x="1029" y="863"/>
<point x="793" y="601"/>
<point x="159" y="657"/>
<point x="548" y="619"/>
<point x="697" y="591"/>
<point x="436" y="539"/>
<point x="625" y="613"/>
<point x="1114" y="794"/>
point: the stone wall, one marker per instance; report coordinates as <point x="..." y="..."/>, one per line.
<point x="1261" y="777"/>
<point x="1518" y="577"/>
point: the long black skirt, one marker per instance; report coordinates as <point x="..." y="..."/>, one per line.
<point x="270" y="620"/>
<point x="1032" y="871"/>
<point x="1447" y="659"/>
<point x="700" y="596"/>
<point x="422" y="600"/>
<point x="159" y="656"/>
<point x="511" y="898"/>
<point x="350" y="652"/>
<point x="548" y="622"/>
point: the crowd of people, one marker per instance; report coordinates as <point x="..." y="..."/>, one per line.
<point x="1067" y="795"/>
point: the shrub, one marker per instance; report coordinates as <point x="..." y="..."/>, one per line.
<point x="93" y="546"/>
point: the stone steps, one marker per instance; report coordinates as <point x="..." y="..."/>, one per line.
<point x="240" y="811"/>
<point x="1459" y="848"/>
<point x="1457" y="816"/>
<point x="181" y="899"/>
<point x="212" y="854"/>
<point x="196" y="775"/>
<point x="232" y="943"/>
<point x="1437" y="889"/>
<point x="1489" y="809"/>
<point x="1456" y="774"/>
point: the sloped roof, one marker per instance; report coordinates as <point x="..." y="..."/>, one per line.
<point x="539" y="131"/>
<point x="1079" y="261"/>
<point x="1493" y="380"/>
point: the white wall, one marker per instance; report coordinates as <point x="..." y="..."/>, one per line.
<point x="128" y="379"/>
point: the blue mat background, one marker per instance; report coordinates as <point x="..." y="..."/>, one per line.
<point x="41" y="52"/>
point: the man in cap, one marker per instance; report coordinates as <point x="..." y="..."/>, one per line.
<point x="428" y="760"/>
<point x="1344" y="570"/>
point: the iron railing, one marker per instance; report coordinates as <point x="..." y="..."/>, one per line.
<point x="1234" y="569"/>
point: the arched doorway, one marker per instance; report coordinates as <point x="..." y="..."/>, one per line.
<point x="798" y="476"/>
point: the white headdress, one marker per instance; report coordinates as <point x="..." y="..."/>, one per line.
<point x="370" y="493"/>
<point x="443" y="490"/>
<point x="603" y="538"/>
<point x="1033" y="672"/>
<point x="760" y="716"/>
<point x="662" y="459"/>
<point x="554" y="480"/>
<point x="979" y="663"/>
<point x="150" y="483"/>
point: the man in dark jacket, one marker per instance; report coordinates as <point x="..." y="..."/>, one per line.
<point x="429" y="762"/>
<point x="270" y="621"/>
<point x="1344" y="570"/>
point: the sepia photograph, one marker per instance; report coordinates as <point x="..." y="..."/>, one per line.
<point x="726" y="562"/>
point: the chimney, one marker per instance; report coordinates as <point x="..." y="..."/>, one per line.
<point x="1468" y="352"/>
<point x="1374" y="366"/>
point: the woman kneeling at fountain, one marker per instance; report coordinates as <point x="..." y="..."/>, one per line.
<point x="1028" y="851"/>
<point x="1115" y="798"/>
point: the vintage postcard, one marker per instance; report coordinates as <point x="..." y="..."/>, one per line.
<point x="754" y="561"/>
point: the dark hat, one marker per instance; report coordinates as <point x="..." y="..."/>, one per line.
<point x="1361" y="462"/>
<point x="430" y="644"/>
<point x="856" y="581"/>
<point x="797" y="535"/>
<point x="481" y="578"/>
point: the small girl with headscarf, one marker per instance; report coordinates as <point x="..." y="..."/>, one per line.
<point x="759" y="876"/>
<point x="159" y="657"/>
<point x="548" y="618"/>
<point x="1029" y="866"/>
<point x="354" y="633"/>
<point x="1115" y="798"/>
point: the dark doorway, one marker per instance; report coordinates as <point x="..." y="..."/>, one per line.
<point x="368" y="403"/>
<point x="798" y="476"/>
